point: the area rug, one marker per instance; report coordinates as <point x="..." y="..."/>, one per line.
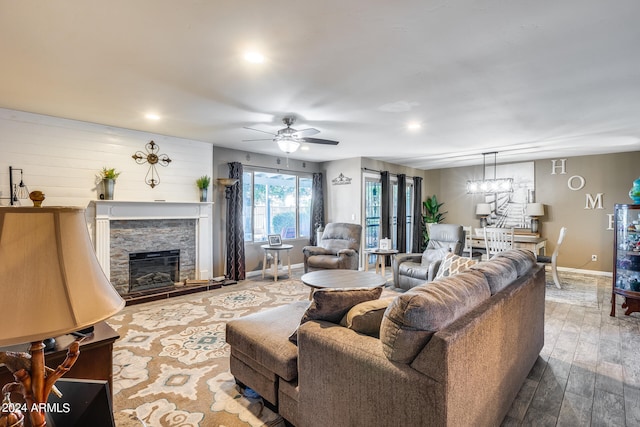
<point x="578" y="288"/>
<point x="171" y="363"/>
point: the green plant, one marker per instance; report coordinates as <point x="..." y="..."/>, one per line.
<point x="431" y="210"/>
<point x="109" y="173"/>
<point x="203" y="182"/>
<point x="430" y="215"/>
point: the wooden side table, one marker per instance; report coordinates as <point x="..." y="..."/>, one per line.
<point x="276" y="250"/>
<point x="94" y="363"/>
<point x="381" y="255"/>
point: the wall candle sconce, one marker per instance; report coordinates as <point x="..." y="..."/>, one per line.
<point x="16" y="191"/>
<point x="153" y="158"/>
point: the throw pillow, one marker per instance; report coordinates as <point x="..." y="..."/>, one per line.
<point x="454" y="264"/>
<point x="365" y="318"/>
<point x="332" y="304"/>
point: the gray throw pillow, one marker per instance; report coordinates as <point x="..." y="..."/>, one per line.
<point x="332" y="304"/>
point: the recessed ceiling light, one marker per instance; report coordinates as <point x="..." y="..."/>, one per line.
<point x="254" y="57"/>
<point x="304" y="148"/>
<point x="414" y="126"/>
<point x="152" y="116"/>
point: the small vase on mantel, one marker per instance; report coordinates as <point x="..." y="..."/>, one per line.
<point x="108" y="186"/>
<point x="203" y="194"/>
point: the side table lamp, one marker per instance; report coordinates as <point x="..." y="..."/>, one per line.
<point x="535" y="210"/>
<point x="483" y="210"/>
<point x="51" y="284"/>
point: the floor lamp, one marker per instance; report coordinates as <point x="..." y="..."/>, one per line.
<point x="227" y="183"/>
<point x="51" y="284"/>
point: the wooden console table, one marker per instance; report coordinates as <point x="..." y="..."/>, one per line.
<point x="94" y="363"/>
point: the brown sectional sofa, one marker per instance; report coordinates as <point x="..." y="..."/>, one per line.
<point x="453" y="352"/>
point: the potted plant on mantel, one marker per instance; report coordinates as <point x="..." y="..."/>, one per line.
<point x="203" y="184"/>
<point x="109" y="176"/>
<point x="431" y="215"/>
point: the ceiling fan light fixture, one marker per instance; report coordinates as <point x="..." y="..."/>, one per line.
<point x="288" y="145"/>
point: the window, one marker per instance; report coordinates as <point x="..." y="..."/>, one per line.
<point x="276" y="203"/>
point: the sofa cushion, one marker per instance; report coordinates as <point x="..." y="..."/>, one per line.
<point x="522" y="259"/>
<point x="263" y="337"/>
<point x="413" y="317"/>
<point x="499" y="272"/>
<point x="332" y="304"/>
<point x="365" y="318"/>
<point x="454" y="264"/>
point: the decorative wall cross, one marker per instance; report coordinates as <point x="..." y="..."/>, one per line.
<point x="152" y="157"/>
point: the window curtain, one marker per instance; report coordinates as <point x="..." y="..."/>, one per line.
<point x="417" y="215"/>
<point x="385" y="205"/>
<point x="236" y="267"/>
<point x="401" y="215"/>
<point x="317" y="206"/>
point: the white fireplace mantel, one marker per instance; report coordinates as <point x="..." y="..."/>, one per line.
<point x="105" y="211"/>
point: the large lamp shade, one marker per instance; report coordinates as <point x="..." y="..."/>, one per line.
<point x="535" y="209"/>
<point x="50" y="280"/>
<point x="483" y="209"/>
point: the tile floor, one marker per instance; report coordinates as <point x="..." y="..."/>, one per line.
<point x="588" y="373"/>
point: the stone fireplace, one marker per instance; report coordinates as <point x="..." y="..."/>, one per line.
<point x="126" y="228"/>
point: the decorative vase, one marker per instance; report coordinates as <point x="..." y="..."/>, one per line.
<point x="634" y="193"/>
<point x="203" y="194"/>
<point x="108" y="185"/>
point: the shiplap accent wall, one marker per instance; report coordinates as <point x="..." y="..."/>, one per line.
<point x="63" y="157"/>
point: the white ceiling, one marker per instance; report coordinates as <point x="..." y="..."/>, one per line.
<point x="529" y="79"/>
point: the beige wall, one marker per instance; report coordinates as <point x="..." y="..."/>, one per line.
<point x="609" y="174"/>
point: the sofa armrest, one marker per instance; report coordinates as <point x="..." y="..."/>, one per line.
<point x="345" y="379"/>
<point x="399" y="259"/>
<point x="316" y="250"/>
<point x="347" y="252"/>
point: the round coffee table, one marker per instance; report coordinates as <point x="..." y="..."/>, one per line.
<point x="323" y="279"/>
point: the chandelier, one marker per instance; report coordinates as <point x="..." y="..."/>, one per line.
<point x="495" y="185"/>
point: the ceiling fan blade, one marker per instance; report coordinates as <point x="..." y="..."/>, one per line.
<point x="260" y="139"/>
<point x="320" y="141"/>
<point x="305" y="132"/>
<point x="258" y="130"/>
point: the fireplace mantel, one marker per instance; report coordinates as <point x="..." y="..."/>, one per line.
<point x="105" y="211"/>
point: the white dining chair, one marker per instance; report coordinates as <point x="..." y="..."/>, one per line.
<point x="468" y="246"/>
<point x="497" y="240"/>
<point x="553" y="260"/>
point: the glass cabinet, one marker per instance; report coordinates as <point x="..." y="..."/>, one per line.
<point x="626" y="258"/>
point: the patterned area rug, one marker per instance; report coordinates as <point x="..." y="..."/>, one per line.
<point x="171" y="363"/>
<point x="577" y="288"/>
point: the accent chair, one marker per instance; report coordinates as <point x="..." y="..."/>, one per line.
<point x="339" y="248"/>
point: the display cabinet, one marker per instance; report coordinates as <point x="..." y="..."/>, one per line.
<point x="626" y="258"/>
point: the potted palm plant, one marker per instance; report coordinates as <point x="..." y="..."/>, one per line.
<point x="203" y="184"/>
<point x="108" y="176"/>
<point x="431" y="215"/>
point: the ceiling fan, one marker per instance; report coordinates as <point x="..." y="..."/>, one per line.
<point x="289" y="139"/>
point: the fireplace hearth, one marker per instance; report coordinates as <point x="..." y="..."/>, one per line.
<point x="152" y="270"/>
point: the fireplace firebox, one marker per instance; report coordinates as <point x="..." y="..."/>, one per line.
<point x="151" y="270"/>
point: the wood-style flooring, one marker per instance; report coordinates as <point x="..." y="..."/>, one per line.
<point x="588" y="373"/>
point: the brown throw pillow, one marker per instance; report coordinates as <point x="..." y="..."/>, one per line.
<point x="365" y="318"/>
<point x="332" y="304"/>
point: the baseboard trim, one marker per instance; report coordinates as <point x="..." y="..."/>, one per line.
<point x="583" y="271"/>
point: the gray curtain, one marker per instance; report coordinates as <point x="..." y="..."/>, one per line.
<point x="417" y="215"/>
<point x="317" y="206"/>
<point x="401" y="216"/>
<point x="236" y="267"/>
<point x="385" y="206"/>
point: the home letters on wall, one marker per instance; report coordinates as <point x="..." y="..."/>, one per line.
<point x="577" y="183"/>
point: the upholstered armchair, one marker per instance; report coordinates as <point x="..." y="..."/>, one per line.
<point x="338" y="249"/>
<point x="411" y="270"/>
